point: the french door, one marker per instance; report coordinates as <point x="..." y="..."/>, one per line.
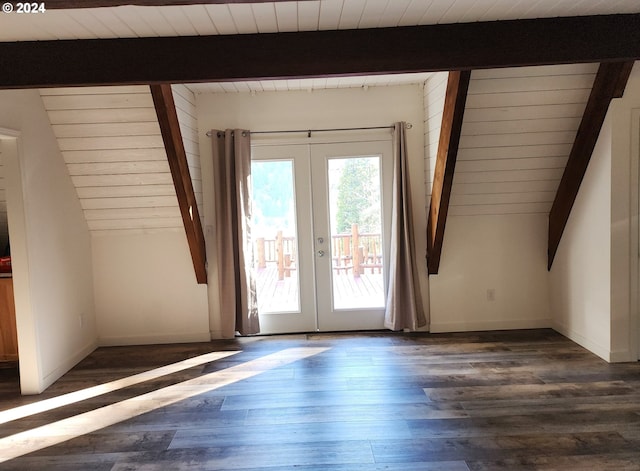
<point x="321" y="234"/>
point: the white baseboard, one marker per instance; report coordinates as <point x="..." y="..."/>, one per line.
<point x="621" y="357"/>
<point x="595" y="348"/>
<point x="439" y="327"/>
<point x="72" y="361"/>
<point x="150" y="339"/>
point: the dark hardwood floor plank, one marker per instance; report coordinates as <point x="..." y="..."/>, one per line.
<point x="380" y="397"/>
<point x="503" y="446"/>
<point x="68" y="462"/>
<point x="281" y="434"/>
<point x="519" y="400"/>
<point x="531" y="391"/>
<point x="608" y="462"/>
<point x="353" y="413"/>
<point x="237" y="457"/>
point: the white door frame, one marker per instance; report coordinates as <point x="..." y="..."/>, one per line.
<point x="331" y="318"/>
<point x="634" y="313"/>
<point x="303" y="319"/>
<point x="269" y="140"/>
<point x="25" y="323"/>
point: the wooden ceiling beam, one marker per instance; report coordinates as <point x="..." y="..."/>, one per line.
<point x="170" y="129"/>
<point x="452" y="115"/>
<point x="73" y="4"/>
<point x="609" y="83"/>
<point x="462" y="46"/>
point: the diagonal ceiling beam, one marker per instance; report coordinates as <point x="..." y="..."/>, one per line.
<point x="170" y="129"/>
<point x="454" y="104"/>
<point x="609" y="83"/>
<point x="69" y="4"/>
<point x="461" y="46"/>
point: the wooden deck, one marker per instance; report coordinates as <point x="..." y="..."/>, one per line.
<point x="350" y="292"/>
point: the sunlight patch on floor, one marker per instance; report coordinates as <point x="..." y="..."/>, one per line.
<point x="57" y="432"/>
<point x="87" y="393"/>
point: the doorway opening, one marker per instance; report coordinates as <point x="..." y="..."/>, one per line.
<point x="321" y="217"/>
<point x="8" y="329"/>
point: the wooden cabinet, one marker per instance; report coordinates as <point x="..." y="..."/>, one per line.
<point x="8" y="333"/>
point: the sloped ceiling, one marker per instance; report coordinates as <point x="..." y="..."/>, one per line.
<point x="111" y="143"/>
<point x="518" y="129"/>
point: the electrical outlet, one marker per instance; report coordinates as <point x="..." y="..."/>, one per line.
<point x="491" y="294"/>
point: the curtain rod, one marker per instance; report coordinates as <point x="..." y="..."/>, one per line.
<point x="309" y="131"/>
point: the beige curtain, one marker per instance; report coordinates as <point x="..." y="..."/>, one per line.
<point x="404" y="300"/>
<point x="232" y="186"/>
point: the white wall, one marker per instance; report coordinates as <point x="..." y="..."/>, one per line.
<point x="51" y="248"/>
<point x="594" y="298"/>
<point x="503" y="253"/>
<point x="624" y="215"/>
<point x="375" y="106"/>
<point x="146" y="290"/>
<point x="579" y="280"/>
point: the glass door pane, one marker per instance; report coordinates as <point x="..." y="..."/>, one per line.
<point x="351" y="213"/>
<point x="274" y="236"/>
<point x="355" y="213"/>
<point x="283" y="247"/>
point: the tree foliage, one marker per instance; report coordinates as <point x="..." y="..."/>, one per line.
<point x="358" y="200"/>
<point x="273" y="204"/>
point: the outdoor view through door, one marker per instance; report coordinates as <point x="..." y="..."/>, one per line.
<point x="320" y="243"/>
<point x="356" y="232"/>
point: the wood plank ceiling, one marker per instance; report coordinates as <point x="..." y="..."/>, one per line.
<point x="518" y="129"/>
<point x="243" y="18"/>
<point x="111" y="143"/>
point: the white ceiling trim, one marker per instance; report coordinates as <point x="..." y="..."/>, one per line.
<point x="310" y="85"/>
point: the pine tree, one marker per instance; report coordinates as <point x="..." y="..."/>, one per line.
<point x="358" y="200"/>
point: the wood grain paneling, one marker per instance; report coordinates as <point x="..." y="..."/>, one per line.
<point x="4" y="227"/>
<point x="163" y="99"/>
<point x="501" y="401"/>
<point x="461" y="46"/>
<point x="452" y="116"/>
<point x="8" y="331"/>
<point x="111" y="143"/>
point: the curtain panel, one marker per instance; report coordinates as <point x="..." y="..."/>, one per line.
<point x="404" y="309"/>
<point x="232" y="186"/>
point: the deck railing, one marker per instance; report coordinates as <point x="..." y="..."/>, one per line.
<point x="356" y="251"/>
<point x="351" y="252"/>
<point x="281" y="250"/>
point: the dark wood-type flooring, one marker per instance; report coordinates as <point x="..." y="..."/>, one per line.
<point x="519" y="400"/>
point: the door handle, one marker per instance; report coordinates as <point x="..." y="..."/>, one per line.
<point x="320" y="253"/>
